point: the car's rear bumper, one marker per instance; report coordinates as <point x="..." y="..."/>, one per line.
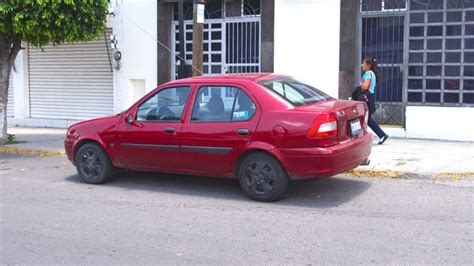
<point x="312" y="163"/>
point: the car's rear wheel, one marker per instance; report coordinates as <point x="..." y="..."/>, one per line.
<point x="262" y="177"/>
<point x="93" y="164"/>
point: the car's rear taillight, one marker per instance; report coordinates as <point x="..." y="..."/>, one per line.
<point x="324" y="126"/>
<point x="324" y="130"/>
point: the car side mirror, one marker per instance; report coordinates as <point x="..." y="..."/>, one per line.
<point x="130" y="118"/>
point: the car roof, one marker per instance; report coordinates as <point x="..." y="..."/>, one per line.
<point x="256" y="77"/>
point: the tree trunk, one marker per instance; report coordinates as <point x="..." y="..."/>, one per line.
<point x="8" y="51"/>
<point x="4" y="83"/>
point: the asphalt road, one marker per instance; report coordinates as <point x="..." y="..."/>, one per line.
<point x="49" y="216"/>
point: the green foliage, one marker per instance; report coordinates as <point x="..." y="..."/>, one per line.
<point x="11" y="137"/>
<point x="11" y="140"/>
<point x="40" y="22"/>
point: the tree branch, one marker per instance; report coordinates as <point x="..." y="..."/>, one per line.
<point x="12" y="38"/>
<point x="13" y="52"/>
<point x="3" y="43"/>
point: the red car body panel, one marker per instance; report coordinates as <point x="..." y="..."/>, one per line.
<point x="215" y="149"/>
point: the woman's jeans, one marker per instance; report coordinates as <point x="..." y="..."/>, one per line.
<point x="376" y="128"/>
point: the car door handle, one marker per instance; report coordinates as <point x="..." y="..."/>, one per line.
<point x="243" y="131"/>
<point x="169" y="130"/>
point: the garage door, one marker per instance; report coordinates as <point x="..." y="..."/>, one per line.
<point x="10" y="110"/>
<point x="71" y="81"/>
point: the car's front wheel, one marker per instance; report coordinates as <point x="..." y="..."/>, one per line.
<point x="262" y="177"/>
<point x="93" y="164"/>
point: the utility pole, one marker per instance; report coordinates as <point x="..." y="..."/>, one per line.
<point x="198" y="32"/>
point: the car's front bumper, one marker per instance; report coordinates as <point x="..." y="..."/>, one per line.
<point x="68" y="146"/>
<point x="312" y="163"/>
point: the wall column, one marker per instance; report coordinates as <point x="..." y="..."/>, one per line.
<point x="348" y="57"/>
<point x="268" y="35"/>
<point x="165" y="13"/>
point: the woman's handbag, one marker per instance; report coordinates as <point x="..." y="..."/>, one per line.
<point x="366" y="96"/>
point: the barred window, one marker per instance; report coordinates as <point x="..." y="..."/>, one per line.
<point x="441" y="52"/>
<point x="424" y="48"/>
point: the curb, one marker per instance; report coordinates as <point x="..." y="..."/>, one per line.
<point x="31" y="152"/>
<point x="455" y="175"/>
<point x="409" y="175"/>
<point x="374" y="173"/>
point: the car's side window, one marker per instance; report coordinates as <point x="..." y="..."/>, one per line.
<point x="167" y="105"/>
<point x="222" y="104"/>
<point x="244" y="108"/>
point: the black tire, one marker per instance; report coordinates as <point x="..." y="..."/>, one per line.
<point x="262" y="177"/>
<point x="93" y="165"/>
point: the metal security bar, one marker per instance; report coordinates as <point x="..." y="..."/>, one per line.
<point x="243" y="46"/>
<point x="232" y="37"/>
<point x="441" y="53"/>
<point x="212" y="43"/>
<point x="374" y="6"/>
<point x="383" y="38"/>
<point x="231" y="45"/>
<point x="425" y="50"/>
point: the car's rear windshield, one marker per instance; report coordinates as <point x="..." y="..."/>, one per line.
<point x="295" y="92"/>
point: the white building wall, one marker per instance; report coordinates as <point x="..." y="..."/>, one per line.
<point x="307" y="41"/>
<point x="20" y="80"/>
<point x="20" y="93"/>
<point x="448" y="123"/>
<point x="135" y="26"/>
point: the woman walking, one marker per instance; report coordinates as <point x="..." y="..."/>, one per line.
<point x="369" y="80"/>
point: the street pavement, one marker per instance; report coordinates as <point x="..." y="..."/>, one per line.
<point x="48" y="216"/>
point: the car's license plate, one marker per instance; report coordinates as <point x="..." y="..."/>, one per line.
<point x="356" y="128"/>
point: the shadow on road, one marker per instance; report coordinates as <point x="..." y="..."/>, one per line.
<point x="325" y="193"/>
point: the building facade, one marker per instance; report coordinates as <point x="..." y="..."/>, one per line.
<point x="424" y="49"/>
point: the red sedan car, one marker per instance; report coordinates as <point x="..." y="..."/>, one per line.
<point x="263" y="129"/>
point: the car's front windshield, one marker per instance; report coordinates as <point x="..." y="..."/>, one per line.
<point x="295" y="92"/>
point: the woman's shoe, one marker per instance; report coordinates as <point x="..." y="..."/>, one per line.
<point x="383" y="139"/>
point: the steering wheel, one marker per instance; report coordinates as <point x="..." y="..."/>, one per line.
<point x="163" y="113"/>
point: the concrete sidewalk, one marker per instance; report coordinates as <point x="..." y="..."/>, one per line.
<point x="422" y="158"/>
<point x="396" y="158"/>
<point x="38" y="138"/>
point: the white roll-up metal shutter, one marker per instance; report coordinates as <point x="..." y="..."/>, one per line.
<point x="71" y="81"/>
<point x="10" y="108"/>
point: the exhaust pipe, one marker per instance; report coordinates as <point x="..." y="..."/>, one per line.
<point x="365" y="162"/>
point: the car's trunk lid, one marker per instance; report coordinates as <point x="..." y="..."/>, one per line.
<point x="345" y="113"/>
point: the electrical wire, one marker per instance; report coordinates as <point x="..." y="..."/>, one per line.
<point x="158" y="41"/>
<point x="108" y="52"/>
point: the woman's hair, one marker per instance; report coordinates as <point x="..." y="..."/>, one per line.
<point x="373" y="66"/>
